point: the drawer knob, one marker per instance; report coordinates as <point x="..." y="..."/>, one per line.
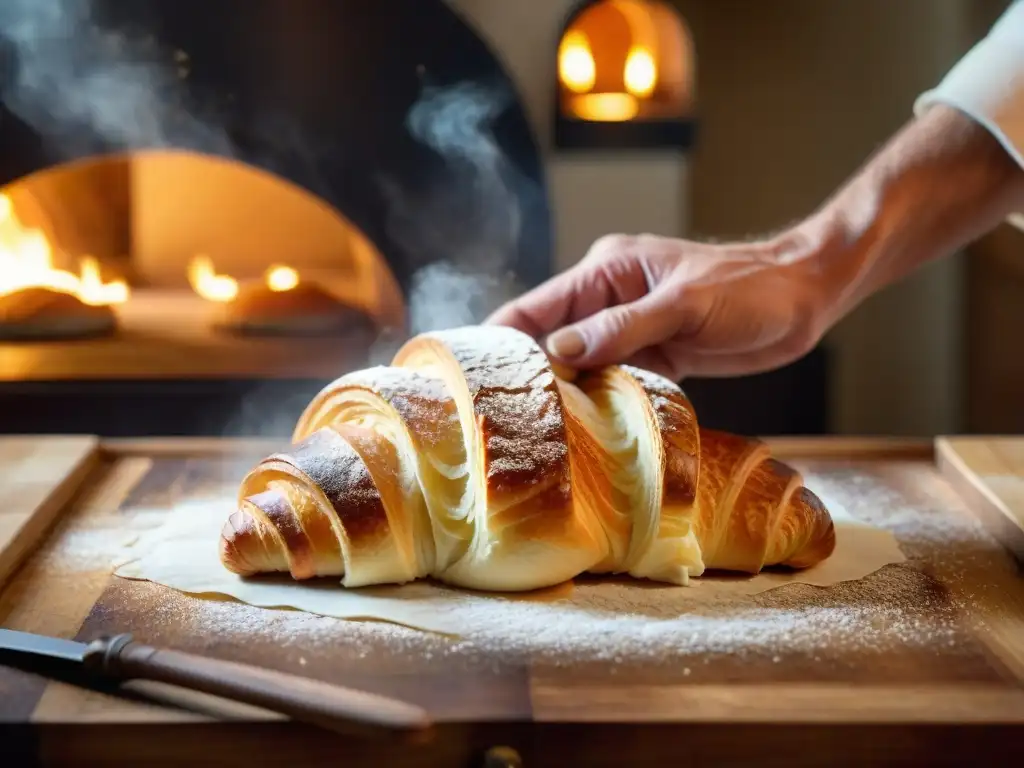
<point x="502" y="757"/>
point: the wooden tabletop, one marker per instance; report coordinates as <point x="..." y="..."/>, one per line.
<point x="921" y="662"/>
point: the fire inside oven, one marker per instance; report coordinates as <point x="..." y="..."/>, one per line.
<point x="89" y="249"/>
<point x="245" y="194"/>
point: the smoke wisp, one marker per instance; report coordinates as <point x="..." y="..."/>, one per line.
<point x="463" y="233"/>
<point x="84" y="85"/>
<point x="87" y="88"/>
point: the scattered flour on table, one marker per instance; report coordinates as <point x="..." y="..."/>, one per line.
<point x="880" y="617"/>
<point x="900" y="608"/>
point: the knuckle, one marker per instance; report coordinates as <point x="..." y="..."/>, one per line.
<point x="620" y="319"/>
<point x="696" y="311"/>
<point x="610" y="245"/>
<point x="618" y="330"/>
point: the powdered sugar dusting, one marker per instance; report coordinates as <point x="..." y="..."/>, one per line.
<point x="656" y="385"/>
<point x="524" y="434"/>
<point x="396" y="384"/>
<point x="494" y="357"/>
<point x="516" y="404"/>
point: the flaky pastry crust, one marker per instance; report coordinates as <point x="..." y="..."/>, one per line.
<point x="469" y="461"/>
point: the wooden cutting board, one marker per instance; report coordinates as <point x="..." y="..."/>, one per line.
<point x="988" y="471"/>
<point x="938" y="678"/>
<point x="38" y="476"/>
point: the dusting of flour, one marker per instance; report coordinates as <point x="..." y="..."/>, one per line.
<point x="903" y="608"/>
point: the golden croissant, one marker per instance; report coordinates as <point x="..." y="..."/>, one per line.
<point x="469" y="461"/>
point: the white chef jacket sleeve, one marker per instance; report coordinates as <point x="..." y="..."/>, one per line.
<point x="988" y="85"/>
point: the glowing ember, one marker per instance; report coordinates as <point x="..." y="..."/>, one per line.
<point x="282" y="278"/>
<point x="606" y="107"/>
<point x="208" y="284"/>
<point x="223" y="288"/>
<point x="26" y="261"/>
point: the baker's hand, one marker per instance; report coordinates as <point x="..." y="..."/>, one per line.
<point x="677" y="307"/>
<point x="686" y="309"/>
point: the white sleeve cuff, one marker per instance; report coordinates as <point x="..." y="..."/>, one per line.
<point x="988" y="85"/>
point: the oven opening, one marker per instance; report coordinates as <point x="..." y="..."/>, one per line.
<point x="172" y="248"/>
<point x="625" y="76"/>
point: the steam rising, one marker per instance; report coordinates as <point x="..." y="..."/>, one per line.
<point x="463" y="234"/>
<point x="88" y="87"/>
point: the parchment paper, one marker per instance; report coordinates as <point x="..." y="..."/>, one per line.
<point x="181" y="553"/>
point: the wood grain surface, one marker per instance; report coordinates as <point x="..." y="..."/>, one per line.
<point x="38" y="475"/>
<point x="988" y="471"/>
<point x="941" y="682"/>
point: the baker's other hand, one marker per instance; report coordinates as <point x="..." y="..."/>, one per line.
<point x="678" y="307"/>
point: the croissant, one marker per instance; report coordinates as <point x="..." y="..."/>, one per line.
<point x="469" y="461"/>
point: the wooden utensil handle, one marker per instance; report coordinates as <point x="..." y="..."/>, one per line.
<point x="329" y="706"/>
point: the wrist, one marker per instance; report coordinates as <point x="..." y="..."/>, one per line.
<point x="939" y="184"/>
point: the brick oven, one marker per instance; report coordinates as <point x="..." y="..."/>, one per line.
<point x="212" y="207"/>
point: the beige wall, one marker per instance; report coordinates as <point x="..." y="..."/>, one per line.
<point x="794" y="94"/>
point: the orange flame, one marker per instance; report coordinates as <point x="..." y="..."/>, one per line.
<point x="576" y="66"/>
<point x="640" y="75"/>
<point x="207" y="283"/>
<point x="203" y="277"/>
<point x="26" y="261"/>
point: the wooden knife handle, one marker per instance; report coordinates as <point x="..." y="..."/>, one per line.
<point x="301" y="698"/>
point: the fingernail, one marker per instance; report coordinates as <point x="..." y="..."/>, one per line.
<point x="566" y="343"/>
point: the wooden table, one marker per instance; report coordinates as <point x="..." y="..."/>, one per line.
<point x="940" y="682"/>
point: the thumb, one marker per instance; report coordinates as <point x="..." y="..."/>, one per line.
<point x="618" y="333"/>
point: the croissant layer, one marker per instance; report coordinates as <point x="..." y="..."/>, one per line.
<point x="469" y="461"/>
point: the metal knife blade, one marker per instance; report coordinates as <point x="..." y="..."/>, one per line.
<point x="41" y="645"/>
